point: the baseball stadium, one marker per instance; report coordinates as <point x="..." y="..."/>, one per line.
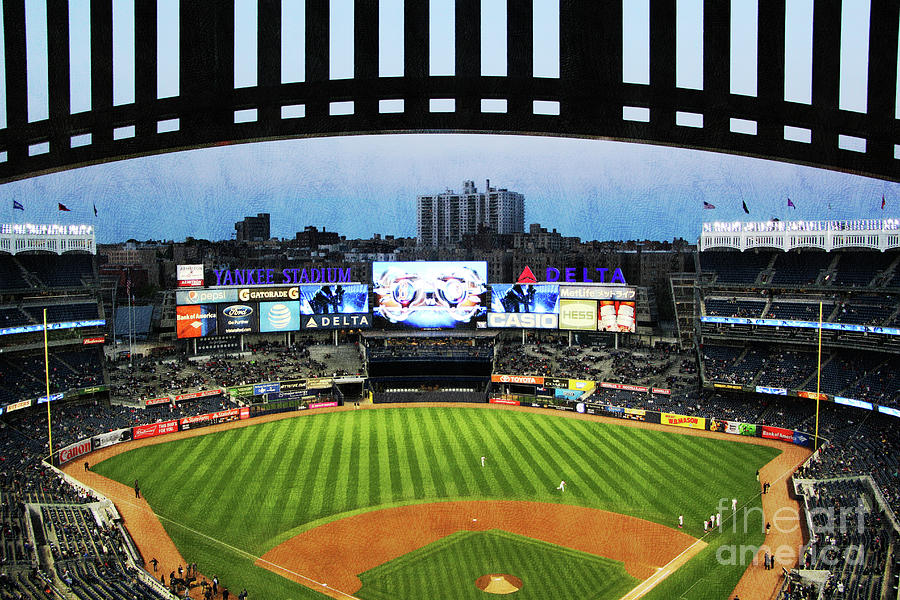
<point x="487" y="406"/>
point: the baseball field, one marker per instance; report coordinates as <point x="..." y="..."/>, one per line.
<point x="395" y="503"/>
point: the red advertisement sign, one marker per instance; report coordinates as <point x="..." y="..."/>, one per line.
<point x="663" y="391"/>
<point x="245" y="412"/>
<point x="322" y="404"/>
<point x="812" y="395"/>
<point x="778" y="433"/>
<point x="155" y="401"/>
<point x="154" y="429"/>
<point x="93" y="340"/>
<point x="526" y="379"/>
<point x="505" y="401"/>
<point x="202" y="394"/>
<point x="215" y="416"/>
<point x="623" y="386"/>
<point x="74" y="451"/>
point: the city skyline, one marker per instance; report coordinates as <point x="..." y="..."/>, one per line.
<point x="362" y="185"/>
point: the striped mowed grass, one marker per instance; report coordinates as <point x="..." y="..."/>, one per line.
<point x="228" y="497"/>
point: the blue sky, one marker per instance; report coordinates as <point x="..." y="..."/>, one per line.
<point x="362" y="185"/>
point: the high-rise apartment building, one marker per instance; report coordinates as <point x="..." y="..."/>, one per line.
<point x="445" y="218"/>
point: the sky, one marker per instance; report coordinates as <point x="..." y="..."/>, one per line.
<point x="361" y="185"/>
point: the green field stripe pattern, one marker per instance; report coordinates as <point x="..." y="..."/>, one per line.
<point x="257" y="486"/>
<point x="447" y="569"/>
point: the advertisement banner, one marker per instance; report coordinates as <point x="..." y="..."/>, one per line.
<point x="582" y="385"/>
<point x="504" y="401"/>
<point x="320" y="383"/>
<point x="761" y="389"/>
<point x="556" y="382"/>
<point x="244" y="413"/>
<point x="195" y="321"/>
<point x="520" y="379"/>
<point x="214" y="418"/>
<point x="74" y="451"/>
<point x="568" y="394"/>
<point x="728" y="386"/>
<point x="238" y="318"/>
<point x="663" y="391"/>
<point x="429" y="295"/>
<point x="617" y="316"/>
<point x="154" y="429"/>
<point x="17" y="405"/>
<point x="812" y="395"/>
<point x="882" y="409"/>
<point x="522" y="320"/>
<point x="323" y="404"/>
<point x="854" y="402"/>
<point x="266" y="388"/>
<point x="777" y="433"/>
<point x="802" y="439"/>
<point x="206" y="296"/>
<point x="624" y="386"/>
<point x="269" y="293"/>
<point x="112" y="437"/>
<point x="683" y="421"/>
<point x="189" y="275"/>
<point x="93" y="340"/>
<point x="241" y="390"/>
<point x="279" y="316"/>
<point x="340" y="299"/>
<point x="597" y="292"/>
<point x="635" y="414"/>
<point x="732" y="427"/>
<point x="580" y="315"/>
<point x="343" y="321"/>
<point x="525" y="298"/>
<point x="155" y="401"/>
<point x="293" y="384"/>
<point x="201" y="394"/>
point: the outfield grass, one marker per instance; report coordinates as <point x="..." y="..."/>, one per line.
<point x="228" y="497"/>
<point x="447" y="570"/>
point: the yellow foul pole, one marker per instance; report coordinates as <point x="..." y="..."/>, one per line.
<point x="47" y="380"/>
<point x="818" y="379"/>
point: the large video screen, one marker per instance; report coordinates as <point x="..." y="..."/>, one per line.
<point x="616" y="316"/>
<point x="429" y="295"/>
<point x="524" y="305"/>
<point x="334" y="299"/>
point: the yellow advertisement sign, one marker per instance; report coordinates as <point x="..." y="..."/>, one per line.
<point x="683" y="421"/>
<point x="728" y="386"/>
<point x="582" y="385"/>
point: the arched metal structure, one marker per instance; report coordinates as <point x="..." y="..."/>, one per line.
<point x="589" y="90"/>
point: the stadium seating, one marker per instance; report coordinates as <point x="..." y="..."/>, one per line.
<point x="59" y="271"/>
<point x="799" y="268"/>
<point x="734" y="267"/>
<point x="734" y="307"/>
<point x="11" y="276"/>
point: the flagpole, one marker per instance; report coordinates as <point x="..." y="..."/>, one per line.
<point x="47" y="380"/>
<point x="818" y="378"/>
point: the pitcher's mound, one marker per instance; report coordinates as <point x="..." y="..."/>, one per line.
<point x="498" y="583"/>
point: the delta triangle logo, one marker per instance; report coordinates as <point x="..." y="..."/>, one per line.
<point x="526" y="276"/>
<point x="311" y="323"/>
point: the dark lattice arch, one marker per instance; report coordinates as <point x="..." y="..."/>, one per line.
<point x="589" y="93"/>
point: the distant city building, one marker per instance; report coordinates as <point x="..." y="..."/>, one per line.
<point x="312" y="238"/>
<point x="445" y="218"/>
<point x="253" y="229"/>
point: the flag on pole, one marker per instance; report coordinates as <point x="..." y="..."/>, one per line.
<point x="882" y="202"/>
<point x="95" y="210"/>
<point x="708" y="206"/>
<point x="744" y="204"/>
<point x="63" y="207"/>
<point x="791" y="204"/>
<point x="18" y="205"/>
